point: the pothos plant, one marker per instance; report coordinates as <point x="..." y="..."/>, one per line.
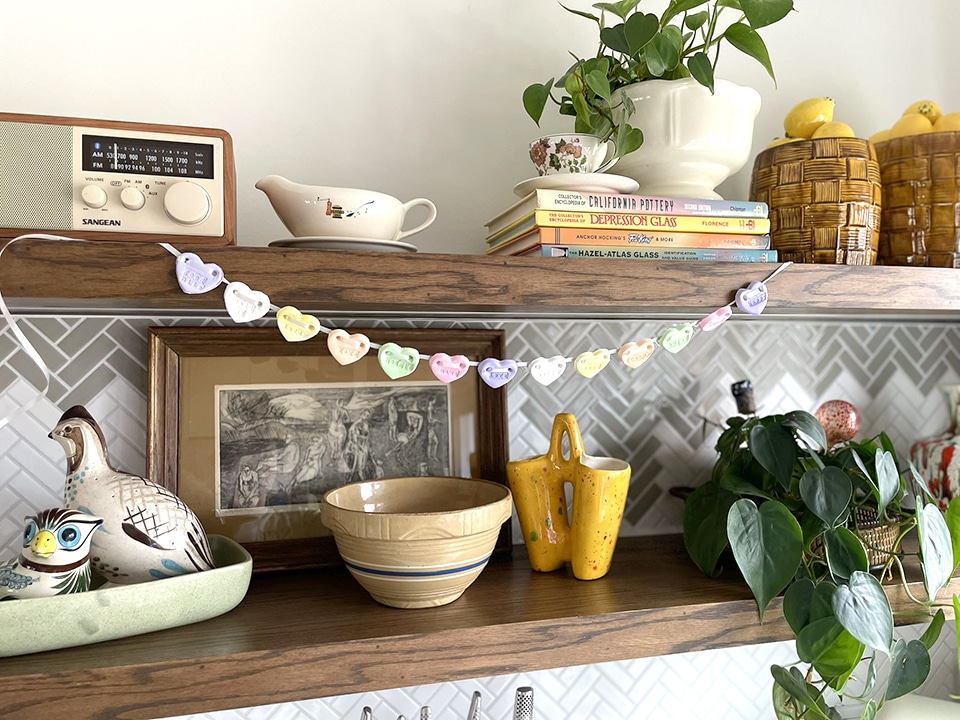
<point x="684" y="41"/>
<point x="788" y="508"/>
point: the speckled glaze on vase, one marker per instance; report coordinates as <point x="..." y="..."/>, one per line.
<point x="937" y="459"/>
<point x="587" y="538"/>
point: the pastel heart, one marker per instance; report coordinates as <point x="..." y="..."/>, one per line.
<point x="447" y="369"/>
<point x="635" y="354"/>
<point x="195" y="276"/>
<point x="497" y="373"/>
<point x="715" y="319"/>
<point x="589" y="364"/>
<point x="295" y="326"/>
<point x="244" y="304"/>
<point x="676" y="338"/>
<point x="346" y="348"/>
<point x="753" y="298"/>
<point x="397" y="362"/>
<point x="546" y="370"/>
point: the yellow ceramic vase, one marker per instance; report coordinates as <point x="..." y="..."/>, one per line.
<point x="587" y="538"/>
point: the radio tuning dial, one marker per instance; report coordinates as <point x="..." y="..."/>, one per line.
<point x="187" y="203"/>
<point x="132" y="198"/>
<point x="93" y="196"/>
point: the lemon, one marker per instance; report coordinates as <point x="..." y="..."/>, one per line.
<point x="780" y="141"/>
<point x="807" y="116"/>
<point x="911" y="124"/>
<point x="880" y="136"/>
<point x="833" y="129"/>
<point x="925" y="107"/>
<point x="948" y="122"/>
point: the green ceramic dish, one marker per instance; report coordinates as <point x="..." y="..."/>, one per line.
<point x="117" y="611"/>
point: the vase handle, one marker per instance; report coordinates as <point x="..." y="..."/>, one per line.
<point x="565" y="424"/>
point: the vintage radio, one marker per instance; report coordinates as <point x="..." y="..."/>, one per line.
<point x="118" y="181"/>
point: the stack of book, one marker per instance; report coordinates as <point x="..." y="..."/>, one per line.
<point x="569" y="223"/>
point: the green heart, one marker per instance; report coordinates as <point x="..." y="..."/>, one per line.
<point x="676" y="338"/>
<point x="397" y="362"/>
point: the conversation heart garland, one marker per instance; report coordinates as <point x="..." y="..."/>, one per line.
<point x="244" y="304"/>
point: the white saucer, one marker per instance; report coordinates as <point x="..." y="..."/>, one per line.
<point x="584" y="182"/>
<point x="345" y="243"/>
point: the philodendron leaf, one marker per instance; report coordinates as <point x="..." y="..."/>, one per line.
<point x="796" y="604"/>
<point x="638" y="30"/>
<point x="775" y="449"/>
<point x="936" y="551"/>
<point x="535" y="99"/>
<point x="661" y="54"/>
<point x="761" y="13"/>
<point x="705" y="525"/>
<point x="909" y="667"/>
<point x="767" y="545"/>
<point x="952" y="518"/>
<point x="615" y="38"/>
<point x="796" y="686"/>
<point x="888" y="479"/>
<point x="598" y="83"/>
<point x="827" y="493"/>
<point x="862" y="608"/>
<point x="845" y="552"/>
<point x="808" y="425"/>
<point x="747" y="40"/>
<point x="701" y="69"/>
<point x="833" y="651"/>
<point x="932" y="633"/>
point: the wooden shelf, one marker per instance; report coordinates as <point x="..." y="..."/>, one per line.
<point x="314" y="634"/>
<point x="37" y="274"/>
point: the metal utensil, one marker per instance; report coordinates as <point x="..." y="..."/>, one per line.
<point x="523" y="704"/>
<point x="474" y="712"/>
<point x="425" y="712"/>
<point x="366" y="713"/>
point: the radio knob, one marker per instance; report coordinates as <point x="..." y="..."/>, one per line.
<point x="186" y="203"/>
<point x="132" y="198"/>
<point x="93" y="196"/>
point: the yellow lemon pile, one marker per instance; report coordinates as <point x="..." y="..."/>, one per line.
<point x="923" y="116"/>
<point x="812" y="118"/>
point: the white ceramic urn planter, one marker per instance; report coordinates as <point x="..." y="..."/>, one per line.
<point x="692" y="140"/>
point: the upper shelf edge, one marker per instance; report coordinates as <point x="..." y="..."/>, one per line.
<point x="135" y="276"/>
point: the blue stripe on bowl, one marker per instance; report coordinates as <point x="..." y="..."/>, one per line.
<point x="417" y="573"/>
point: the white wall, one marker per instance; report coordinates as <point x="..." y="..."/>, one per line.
<point x="420" y="98"/>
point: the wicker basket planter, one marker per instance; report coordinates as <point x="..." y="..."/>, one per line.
<point x="878" y="536"/>
<point x="824" y="199"/>
<point x="920" y="223"/>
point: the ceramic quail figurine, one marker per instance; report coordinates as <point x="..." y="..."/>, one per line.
<point x="148" y="532"/>
<point x="55" y="559"/>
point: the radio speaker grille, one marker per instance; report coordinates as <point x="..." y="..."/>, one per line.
<point x="36" y="189"/>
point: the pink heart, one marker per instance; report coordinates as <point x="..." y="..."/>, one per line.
<point x="195" y="276"/>
<point x="753" y="298"/>
<point x="497" y="373"/>
<point x="446" y="368"/>
<point x="715" y="319"/>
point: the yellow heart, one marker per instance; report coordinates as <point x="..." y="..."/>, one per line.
<point x="295" y="326"/>
<point x="346" y="348"/>
<point x="635" y="354"/>
<point x="589" y="364"/>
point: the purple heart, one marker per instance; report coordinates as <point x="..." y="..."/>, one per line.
<point x="753" y="298"/>
<point x="497" y="373"/>
<point x="195" y="276"/>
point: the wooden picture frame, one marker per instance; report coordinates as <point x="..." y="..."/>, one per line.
<point x="204" y="382"/>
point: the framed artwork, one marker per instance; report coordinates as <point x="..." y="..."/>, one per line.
<point x="251" y="430"/>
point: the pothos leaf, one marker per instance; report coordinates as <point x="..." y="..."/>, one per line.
<point x="761" y="13"/>
<point x="909" y="667"/>
<point x="747" y="40"/>
<point x="775" y="449"/>
<point x="935" y="549"/>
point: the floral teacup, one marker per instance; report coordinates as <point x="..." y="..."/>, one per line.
<point x="572" y="153"/>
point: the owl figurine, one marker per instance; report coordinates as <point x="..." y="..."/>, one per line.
<point x="55" y="559"/>
<point x="148" y="532"/>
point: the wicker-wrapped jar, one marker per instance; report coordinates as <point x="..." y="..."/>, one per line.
<point x="824" y="198"/>
<point x="920" y="223"/>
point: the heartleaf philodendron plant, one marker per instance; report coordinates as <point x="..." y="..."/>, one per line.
<point x="792" y="513"/>
<point x="683" y="41"/>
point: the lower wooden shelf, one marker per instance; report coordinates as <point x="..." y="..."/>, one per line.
<point x="314" y="634"/>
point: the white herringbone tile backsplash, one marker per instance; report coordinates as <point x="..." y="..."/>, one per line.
<point x="653" y="417"/>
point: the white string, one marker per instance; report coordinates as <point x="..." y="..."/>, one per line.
<point x="24" y="341"/>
